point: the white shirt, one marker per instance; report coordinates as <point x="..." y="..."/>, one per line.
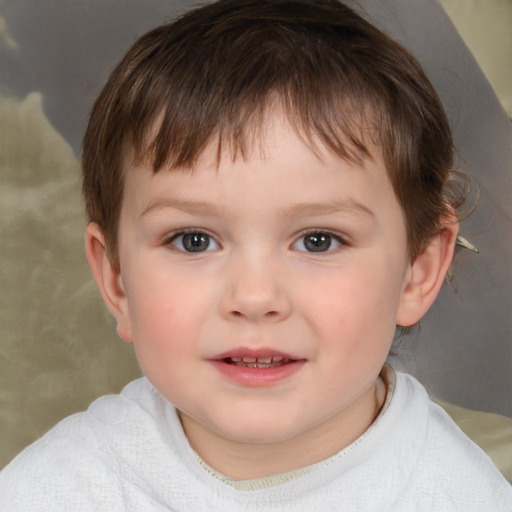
<point x="128" y="452"/>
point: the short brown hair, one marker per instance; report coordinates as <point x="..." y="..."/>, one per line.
<point x="214" y="72"/>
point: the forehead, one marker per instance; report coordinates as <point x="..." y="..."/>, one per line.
<point x="348" y="131"/>
<point x="280" y="165"/>
<point x="262" y="137"/>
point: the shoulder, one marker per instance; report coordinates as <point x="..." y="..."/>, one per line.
<point x="451" y="472"/>
<point x="76" y="465"/>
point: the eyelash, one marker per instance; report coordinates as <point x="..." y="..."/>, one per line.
<point x="332" y="236"/>
<point x="322" y="237"/>
<point x="176" y="236"/>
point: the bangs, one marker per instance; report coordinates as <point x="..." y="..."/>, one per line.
<point x="238" y="132"/>
<point x="186" y="107"/>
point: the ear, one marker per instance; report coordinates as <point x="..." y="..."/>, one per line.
<point x="426" y="274"/>
<point x="108" y="278"/>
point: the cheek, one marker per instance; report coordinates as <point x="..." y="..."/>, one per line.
<point x="165" y="344"/>
<point x="163" y="301"/>
<point x="356" y="306"/>
<point x="166" y="319"/>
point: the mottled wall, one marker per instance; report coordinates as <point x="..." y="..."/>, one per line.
<point x="58" y="346"/>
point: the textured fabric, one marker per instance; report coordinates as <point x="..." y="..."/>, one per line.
<point x="389" y="378"/>
<point x="128" y="452"/>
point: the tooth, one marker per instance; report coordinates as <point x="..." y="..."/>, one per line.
<point x="276" y="359"/>
<point x="236" y="359"/>
<point x="247" y="359"/>
<point x="264" y="360"/>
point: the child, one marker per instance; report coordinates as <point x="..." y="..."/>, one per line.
<point x="266" y="185"/>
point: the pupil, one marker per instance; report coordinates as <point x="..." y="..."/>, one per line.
<point x="196" y="242"/>
<point x="317" y="242"/>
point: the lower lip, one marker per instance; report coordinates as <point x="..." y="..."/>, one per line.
<point x="247" y="376"/>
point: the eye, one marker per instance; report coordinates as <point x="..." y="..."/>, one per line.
<point x="318" y="241"/>
<point x="193" y="241"/>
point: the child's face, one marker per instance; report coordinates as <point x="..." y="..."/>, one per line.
<point x="295" y="260"/>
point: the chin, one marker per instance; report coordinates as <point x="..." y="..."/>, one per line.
<point x="258" y="432"/>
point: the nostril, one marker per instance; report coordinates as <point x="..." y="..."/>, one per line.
<point x="242" y="304"/>
<point x="268" y="314"/>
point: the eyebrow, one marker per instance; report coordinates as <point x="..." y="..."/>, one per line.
<point x="349" y="206"/>
<point x="191" y="207"/>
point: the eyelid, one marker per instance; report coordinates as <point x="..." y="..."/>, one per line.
<point x="342" y="240"/>
<point x="169" y="239"/>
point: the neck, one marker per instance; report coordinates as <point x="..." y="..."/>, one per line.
<point x="248" y="461"/>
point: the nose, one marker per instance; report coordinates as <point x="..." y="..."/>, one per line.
<point x="255" y="291"/>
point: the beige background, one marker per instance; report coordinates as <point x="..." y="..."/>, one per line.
<point x="58" y="347"/>
<point x="486" y="27"/>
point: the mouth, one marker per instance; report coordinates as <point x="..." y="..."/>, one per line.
<point x="257" y="368"/>
<point x="257" y="362"/>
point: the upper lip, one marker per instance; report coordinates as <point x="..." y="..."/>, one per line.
<point x="256" y="353"/>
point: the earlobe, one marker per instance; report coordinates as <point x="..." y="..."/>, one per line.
<point x="426" y="274"/>
<point x="108" y="278"/>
